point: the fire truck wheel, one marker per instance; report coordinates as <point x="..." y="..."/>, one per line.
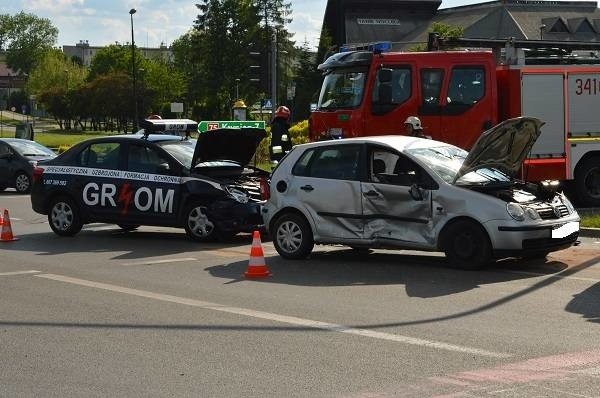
<point x="64" y="217"/>
<point x="587" y="182"/>
<point x="466" y="245"/>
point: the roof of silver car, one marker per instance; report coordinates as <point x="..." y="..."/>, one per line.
<point x="400" y="142"/>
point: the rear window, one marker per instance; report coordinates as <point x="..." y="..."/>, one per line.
<point x="335" y="162"/>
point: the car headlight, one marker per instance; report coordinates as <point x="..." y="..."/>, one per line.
<point x="239" y="195"/>
<point x="33" y="162"/>
<point x="515" y="211"/>
<point x="532" y="213"/>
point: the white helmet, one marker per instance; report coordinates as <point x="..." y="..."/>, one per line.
<point x="414" y="121"/>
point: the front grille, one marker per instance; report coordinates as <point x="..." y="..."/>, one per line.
<point x="552" y="212"/>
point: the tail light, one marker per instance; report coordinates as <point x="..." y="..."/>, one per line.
<point x="37" y="174"/>
<point x="265" y="190"/>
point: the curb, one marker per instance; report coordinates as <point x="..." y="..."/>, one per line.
<point x="589" y="232"/>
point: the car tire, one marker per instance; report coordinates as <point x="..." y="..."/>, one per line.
<point x="292" y="237"/>
<point x="22" y="182"/>
<point x="128" y="227"/>
<point x="64" y="217"/>
<point x="466" y="245"/>
<point x="587" y="182"/>
<point x="198" y="224"/>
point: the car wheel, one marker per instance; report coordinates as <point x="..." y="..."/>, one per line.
<point x="466" y="245"/>
<point x="64" y="217"/>
<point x="128" y="227"/>
<point x="22" y="182"/>
<point x="198" y="224"/>
<point x="293" y="238"/>
<point x="587" y="182"/>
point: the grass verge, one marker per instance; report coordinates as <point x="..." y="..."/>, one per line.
<point x="590" y="221"/>
<point x="63" y="139"/>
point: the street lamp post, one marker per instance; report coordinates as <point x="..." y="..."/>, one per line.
<point x="135" y="121"/>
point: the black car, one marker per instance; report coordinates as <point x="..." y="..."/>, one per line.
<point x="18" y="157"/>
<point x="204" y="185"/>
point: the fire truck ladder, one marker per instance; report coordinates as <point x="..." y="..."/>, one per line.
<point x="520" y="52"/>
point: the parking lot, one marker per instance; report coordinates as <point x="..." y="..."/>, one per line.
<point x="152" y="313"/>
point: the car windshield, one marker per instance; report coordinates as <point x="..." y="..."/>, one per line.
<point x="183" y="151"/>
<point x="31" y="148"/>
<point x="446" y="161"/>
<point x="342" y="88"/>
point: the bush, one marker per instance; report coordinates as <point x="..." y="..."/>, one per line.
<point x="298" y="134"/>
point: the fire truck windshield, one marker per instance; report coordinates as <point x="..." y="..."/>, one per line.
<point x="342" y="88"/>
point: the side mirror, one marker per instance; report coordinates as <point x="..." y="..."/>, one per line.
<point x="415" y="192"/>
<point x="384" y="75"/>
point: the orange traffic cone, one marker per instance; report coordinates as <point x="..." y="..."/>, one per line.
<point x="6" y="235"/>
<point x="256" y="264"/>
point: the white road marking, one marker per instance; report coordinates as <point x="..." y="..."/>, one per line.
<point x="166" y="261"/>
<point x="556" y="276"/>
<point x="276" y="317"/>
<point x="19" y="273"/>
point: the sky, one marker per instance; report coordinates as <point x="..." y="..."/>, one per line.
<point x="103" y="22"/>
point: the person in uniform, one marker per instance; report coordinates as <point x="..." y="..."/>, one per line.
<point x="281" y="142"/>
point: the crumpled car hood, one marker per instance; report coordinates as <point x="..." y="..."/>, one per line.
<point x="504" y="146"/>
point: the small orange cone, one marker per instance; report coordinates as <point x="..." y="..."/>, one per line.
<point x="256" y="264"/>
<point x="6" y="235"/>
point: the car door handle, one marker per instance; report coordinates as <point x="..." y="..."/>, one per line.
<point x="307" y="188"/>
<point x="371" y="194"/>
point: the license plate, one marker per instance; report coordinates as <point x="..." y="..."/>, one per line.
<point x="565" y="229"/>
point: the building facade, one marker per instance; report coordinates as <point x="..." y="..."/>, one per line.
<point x="85" y="52"/>
<point x="407" y="22"/>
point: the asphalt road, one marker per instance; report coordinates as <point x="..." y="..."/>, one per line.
<point x="150" y="313"/>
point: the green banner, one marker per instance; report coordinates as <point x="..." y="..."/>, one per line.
<point x="229" y="124"/>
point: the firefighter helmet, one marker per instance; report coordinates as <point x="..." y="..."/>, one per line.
<point x="414" y="121"/>
<point x="282" y="111"/>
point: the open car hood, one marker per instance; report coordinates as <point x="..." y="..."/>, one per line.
<point x="504" y="146"/>
<point x="228" y="144"/>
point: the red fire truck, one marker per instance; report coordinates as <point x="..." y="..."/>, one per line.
<point x="459" y="94"/>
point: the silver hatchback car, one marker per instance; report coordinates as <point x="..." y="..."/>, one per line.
<point x="399" y="192"/>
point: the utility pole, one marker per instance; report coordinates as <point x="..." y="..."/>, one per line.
<point x="274" y="73"/>
<point x="133" y="72"/>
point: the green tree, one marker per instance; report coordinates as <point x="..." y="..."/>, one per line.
<point x="307" y="79"/>
<point x="110" y="101"/>
<point x="55" y="70"/>
<point x="53" y="81"/>
<point x="111" y="59"/>
<point x="158" y="82"/>
<point x="25" y="38"/>
<point x="227" y="30"/>
<point x="444" y="31"/>
<point x="275" y="15"/>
